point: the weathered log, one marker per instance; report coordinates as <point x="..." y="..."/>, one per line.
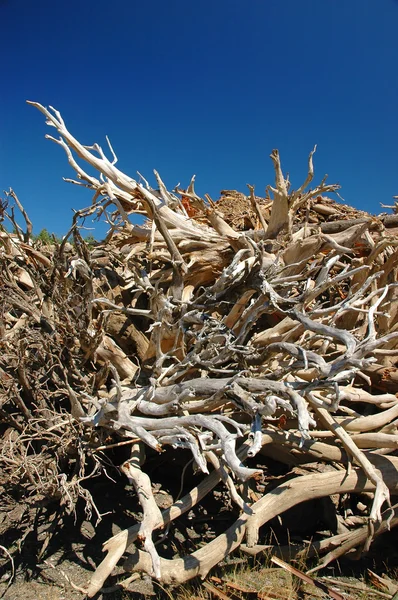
<point x="388" y="221"/>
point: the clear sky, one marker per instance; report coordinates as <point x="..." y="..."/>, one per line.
<point x="207" y="87"/>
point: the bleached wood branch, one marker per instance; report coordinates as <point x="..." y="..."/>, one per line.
<point x="152" y="517"/>
<point x="382" y="493"/>
<point x="276" y="502"/>
<point x="260" y="336"/>
<point x="286" y="203"/>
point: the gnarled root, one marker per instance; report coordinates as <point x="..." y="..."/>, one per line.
<point x="272" y="504"/>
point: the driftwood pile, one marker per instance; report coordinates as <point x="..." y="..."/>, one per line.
<point x="244" y="327"/>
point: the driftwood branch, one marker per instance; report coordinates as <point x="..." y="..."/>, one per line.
<point x="286" y="202"/>
<point x="233" y="337"/>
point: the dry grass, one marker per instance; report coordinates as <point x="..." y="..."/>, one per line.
<point x="273" y="584"/>
<point x="256" y="580"/>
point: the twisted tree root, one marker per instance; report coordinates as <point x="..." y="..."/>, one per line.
<point x="277" y="501"/>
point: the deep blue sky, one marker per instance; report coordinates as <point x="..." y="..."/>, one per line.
<point x="207" y="87"/>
